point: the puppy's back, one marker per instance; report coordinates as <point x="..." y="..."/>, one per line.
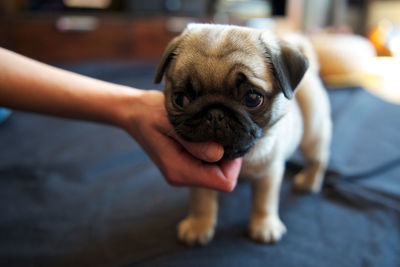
<point x="311" y="94"/>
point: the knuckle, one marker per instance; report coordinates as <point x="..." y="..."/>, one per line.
<point x="173" y="179"/>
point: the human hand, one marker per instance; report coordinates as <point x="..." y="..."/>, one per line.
<point x="33" y="86"/>
<point x="182" y="163"/>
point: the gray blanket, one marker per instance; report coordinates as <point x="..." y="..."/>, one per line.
<point x="82" y="194"/>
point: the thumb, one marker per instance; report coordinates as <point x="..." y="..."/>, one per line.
<point x="206" y="151"/>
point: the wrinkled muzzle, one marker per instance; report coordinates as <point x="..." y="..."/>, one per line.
<point x="223" y="122"/>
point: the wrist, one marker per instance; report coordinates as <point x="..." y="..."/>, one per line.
<point x="140" y="112"/>
<point x="125" y="111"/>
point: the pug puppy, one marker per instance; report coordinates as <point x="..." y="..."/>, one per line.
<point x="257" y="94"/>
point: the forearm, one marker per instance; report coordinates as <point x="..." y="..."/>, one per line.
<point x="33" y="86"/>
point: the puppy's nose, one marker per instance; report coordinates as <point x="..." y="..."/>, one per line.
<point x="215" y="115"/>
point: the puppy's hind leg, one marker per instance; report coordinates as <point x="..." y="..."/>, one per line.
<point x="315" y="147"/>
<point x="199" y="226"/>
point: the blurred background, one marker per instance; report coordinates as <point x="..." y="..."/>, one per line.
<point x="60" y="31"/>
<point x="75" y="193"/>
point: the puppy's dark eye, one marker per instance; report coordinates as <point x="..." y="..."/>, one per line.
<point x="181" y="100"/>
<point x="253" y="99"/>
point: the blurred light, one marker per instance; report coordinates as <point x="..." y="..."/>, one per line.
<point x="77" y="23"/>
<point x="382" y="78"/>
<point x="394" y="45"/>
<point x="101" y="4"/>
<point x="177" y="24"/>
<point x="261" y="23"/>
<point x="239" y="11"/>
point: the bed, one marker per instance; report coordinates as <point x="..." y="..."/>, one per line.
<point x="75" y="193"/>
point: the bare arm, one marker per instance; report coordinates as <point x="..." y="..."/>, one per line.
<point x="33" y="86"/>
<point x="29" y="85"/>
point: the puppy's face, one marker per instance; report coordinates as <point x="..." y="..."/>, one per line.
<point x="228" y="84"/>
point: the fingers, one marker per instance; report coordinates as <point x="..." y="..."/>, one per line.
<point x="223" y="176"/>
<point x="231" y="170"/>
<point x="192" y="172"/>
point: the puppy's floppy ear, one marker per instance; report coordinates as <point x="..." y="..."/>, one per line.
<point x="166" y="57"/>
<point x="289" y="67"/>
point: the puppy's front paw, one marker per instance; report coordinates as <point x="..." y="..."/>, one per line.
<point x="266" y="229"/>
<point x="194" y="230"/>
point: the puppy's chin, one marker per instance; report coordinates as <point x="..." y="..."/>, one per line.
<point x="236" y="132"/>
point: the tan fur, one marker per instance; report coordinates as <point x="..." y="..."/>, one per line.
<point x="305" y="121"/>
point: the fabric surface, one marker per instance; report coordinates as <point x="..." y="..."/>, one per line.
<point x="82" y="194"/>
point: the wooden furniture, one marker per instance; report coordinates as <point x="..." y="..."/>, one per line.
<point x="112" y="37"/>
